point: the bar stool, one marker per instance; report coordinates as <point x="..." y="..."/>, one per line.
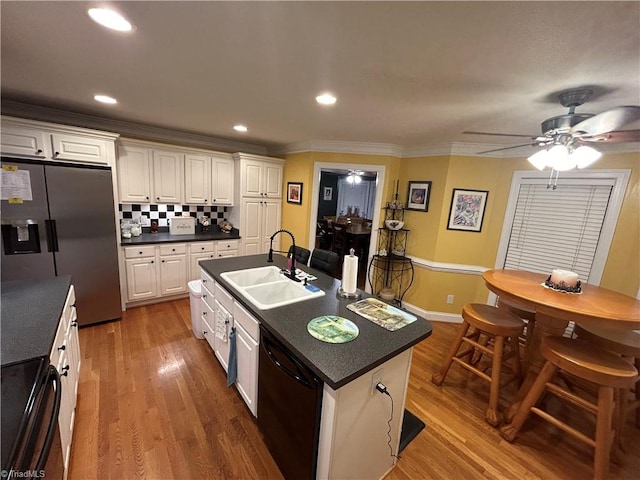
<point x="585" y="361"/>
<point x="494" y="323"/>
<point x="627" y="344"/>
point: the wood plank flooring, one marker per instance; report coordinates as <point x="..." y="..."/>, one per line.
<point x="153" y="404"/>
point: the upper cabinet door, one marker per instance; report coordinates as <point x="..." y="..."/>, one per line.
<point x="79" y="149"/>
<point x="24" y="142"/>
<point x="272" y="175"/>
<point x="168" y="170"/>
<point x="252" y="179"/>
<point x="134" y="174"/>
<point x="197" y="179"/>
<point x="222" y="180"/>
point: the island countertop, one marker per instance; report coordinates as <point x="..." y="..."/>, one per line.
<point x="335" y="364"/>
<point x="29" y="317"/>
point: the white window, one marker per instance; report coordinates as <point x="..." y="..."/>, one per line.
<point x="570" y="227"/>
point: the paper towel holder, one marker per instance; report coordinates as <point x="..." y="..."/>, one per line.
<point x="344" y="294"/>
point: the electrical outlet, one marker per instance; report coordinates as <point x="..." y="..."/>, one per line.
<point x="376" y="378"/>
<point x="449" y="299"/>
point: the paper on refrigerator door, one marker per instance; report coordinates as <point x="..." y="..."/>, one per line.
<point x="15" y="184"/>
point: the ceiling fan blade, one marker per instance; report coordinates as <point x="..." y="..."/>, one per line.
<point x="621" y="136"/>
<point x="501" y="134"/>
<point x="608" y="121"/>
<point x="509" y="148"/>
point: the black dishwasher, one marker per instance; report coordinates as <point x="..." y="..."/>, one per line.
<point x="289" y="405"/>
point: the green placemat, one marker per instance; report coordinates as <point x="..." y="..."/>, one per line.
<point x="332" y="329"/>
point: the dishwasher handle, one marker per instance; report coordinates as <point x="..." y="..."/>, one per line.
<point x="269" y="347"/>
<point x="53" y="377"/>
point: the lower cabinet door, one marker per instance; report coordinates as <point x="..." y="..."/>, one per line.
<point x="173" y="274"/>
<point x="223" y="326"/>
<point x="141" y="279"/>
<point x="247" y="379"/>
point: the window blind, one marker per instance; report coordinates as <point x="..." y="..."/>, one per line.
<point x="557" y="228"/>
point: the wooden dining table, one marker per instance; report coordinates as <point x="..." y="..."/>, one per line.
<point x="594" y="306"/>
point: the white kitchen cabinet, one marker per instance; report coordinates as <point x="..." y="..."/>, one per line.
<point x="141" y="272"/>
<point x="65" y="356"/>
<point x="197" y="179"/>
<point x="259" y="195"/>
<point x="260" y="176"/>
<point x="199" y="251"/>
<point x="260" y="219"/>
<point x="227" y="248"/>
<point x="209" y="179"/>
<point x="23" y="141"/>
<point x="247" y="341"/>
<point x="173" y="268"/>
<point x="168" y="171"/>
<point x="78" y="148"/>
<point x="49" y="141"/>
<point x="222" y="179"/>
<point x="134" y="174"/>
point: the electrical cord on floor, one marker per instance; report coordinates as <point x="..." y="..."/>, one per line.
<point x="383" y="389"/>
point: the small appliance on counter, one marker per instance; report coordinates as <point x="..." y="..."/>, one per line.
<point x="182" y="225"/>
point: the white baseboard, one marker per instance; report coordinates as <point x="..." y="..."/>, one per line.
<point x="433" y="316"/>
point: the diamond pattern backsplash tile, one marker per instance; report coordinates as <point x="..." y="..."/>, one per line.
<point x="162" y="212"/>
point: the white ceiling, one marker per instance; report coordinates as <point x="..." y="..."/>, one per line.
<point x="410" y="74"/>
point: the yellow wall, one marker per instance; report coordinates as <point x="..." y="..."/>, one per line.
<point x="429" y="238"/>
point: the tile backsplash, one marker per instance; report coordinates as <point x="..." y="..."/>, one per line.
<point x="162" y="212"/>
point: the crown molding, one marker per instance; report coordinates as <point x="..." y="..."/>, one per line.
<point x="363" y="148"/>
<point x="127" y="129"/>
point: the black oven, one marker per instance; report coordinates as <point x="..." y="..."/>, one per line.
<point x="31" y="443"/>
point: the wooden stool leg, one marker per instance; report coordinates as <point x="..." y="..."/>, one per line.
<point x="603" y="432"/>
<point x="516" y="364"/>
<point x="492" y="416"/>
<point x="637" y="390"/>
<point x="438" y="378"/>
<point x="510" y="431"/>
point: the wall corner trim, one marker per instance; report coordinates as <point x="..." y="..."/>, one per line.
<point x="449" y="267"/>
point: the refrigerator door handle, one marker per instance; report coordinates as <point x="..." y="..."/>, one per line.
<point x="52" y="235"/>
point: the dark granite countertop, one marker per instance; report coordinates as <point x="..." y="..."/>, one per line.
<point x="29" y="317"/>
<point x="166" y="237"/>
<point x="335" y="364"/>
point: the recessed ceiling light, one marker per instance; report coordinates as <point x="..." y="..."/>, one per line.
<point x="240" y="128"/>
<point x="105" y="99"/>
<point x="326" y="99"/>
<point x="110" y="19"/>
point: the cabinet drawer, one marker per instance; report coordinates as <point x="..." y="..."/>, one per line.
<point x="208" y="320"/>
<point x="208" y="298"/>
<point x="224" y="298"/>
<point x="248" y="322"/>
<point x="173" y="249"/>
<point x="141" y="251"/>
<point x="207" y="281"/>
<point x="202" y="247"/>
<point x="228" y="245"/>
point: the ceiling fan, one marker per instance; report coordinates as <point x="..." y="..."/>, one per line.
<point x="574" y="130"/>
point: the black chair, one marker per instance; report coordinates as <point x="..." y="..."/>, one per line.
<point x="301" y="255"/>
<point x="325" y="260"/>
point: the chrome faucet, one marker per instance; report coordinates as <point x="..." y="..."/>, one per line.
<point x="292" y="272"/>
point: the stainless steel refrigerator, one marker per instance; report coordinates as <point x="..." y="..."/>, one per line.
<point x="59" y="219"/>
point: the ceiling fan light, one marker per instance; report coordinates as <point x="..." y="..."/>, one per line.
<point x="539" y="159"/>
<point x="357" y="179"/>
<point x="350" y="179"/>
<point x="585" y="156"/>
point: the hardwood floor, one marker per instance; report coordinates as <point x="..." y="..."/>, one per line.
<point x="153" y="403"/>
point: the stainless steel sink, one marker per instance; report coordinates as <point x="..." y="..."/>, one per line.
<point x="267" y="288"/>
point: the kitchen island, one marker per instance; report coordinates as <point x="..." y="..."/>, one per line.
<point x="355" y="418"/>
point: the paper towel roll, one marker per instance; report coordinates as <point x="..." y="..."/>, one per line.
<point x="350" y="274"/>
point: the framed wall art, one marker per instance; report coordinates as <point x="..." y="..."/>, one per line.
<point x="294" y="192"/>
<point x="328" y="193"/>
<point x="467" y="210"/>
<point x="418" y="196"/>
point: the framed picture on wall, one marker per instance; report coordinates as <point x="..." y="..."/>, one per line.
<point x="294" y="192"/>
<point x="418" y="196"/>
<point x="467" y="210"/>
<point x="328" y="193"/>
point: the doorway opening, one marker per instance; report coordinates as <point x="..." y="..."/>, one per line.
<point x="345" y="211"/>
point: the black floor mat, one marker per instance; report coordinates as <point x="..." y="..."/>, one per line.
<point x="411" y="427"/>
